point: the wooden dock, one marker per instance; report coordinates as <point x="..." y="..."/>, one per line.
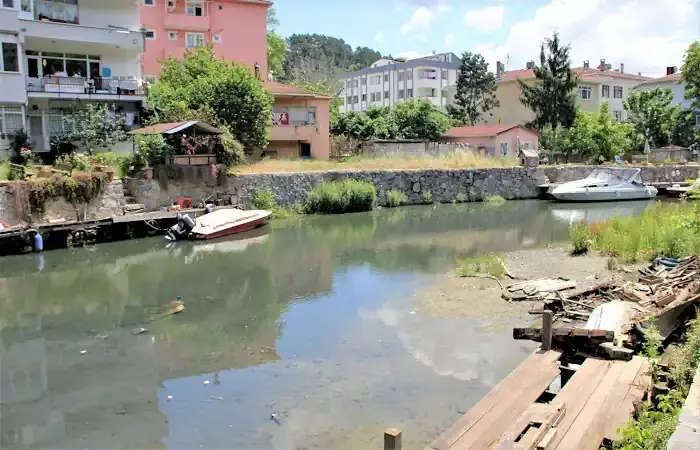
<point x="527" y="411"/>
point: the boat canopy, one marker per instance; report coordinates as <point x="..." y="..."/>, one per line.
<point x="614" y="174"/>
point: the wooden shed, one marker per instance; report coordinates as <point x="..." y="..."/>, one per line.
<point x="528" y="157"/>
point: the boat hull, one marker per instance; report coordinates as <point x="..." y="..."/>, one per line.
<point x="592" y="195"/>
<point x="229" y="231"/>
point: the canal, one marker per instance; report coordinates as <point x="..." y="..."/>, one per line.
<point x="299" y="335"/>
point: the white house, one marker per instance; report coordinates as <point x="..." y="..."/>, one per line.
<point x="387" y="82"/>
<point x="671" y="81"/>
<point x="58" y="54"/>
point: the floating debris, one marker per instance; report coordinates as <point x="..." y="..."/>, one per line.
<point x="83" y="352"/>
<point x="216" y="397"/>
<point x="136" y="331"/>
<point x="170" y="397"/>
<point x="206" y="381"/>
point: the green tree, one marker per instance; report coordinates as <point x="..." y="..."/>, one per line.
<point x="690" y="72"/>
<point x="202" y="87"/>
<point x="419" y="119"/>
<point x="476" y="90"/>
<point x="552" y="97"/>
<point x="597" y="137"/>
<point x="276" y="45"/>
<point x="364" y="57"/>
<point x="684" y="131"/>
<point x="652" y="113"/>
<point x="95" y="126"/>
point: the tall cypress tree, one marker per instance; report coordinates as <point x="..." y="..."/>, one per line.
<point x="552" y="98"/>
<point x="476" y="90"/>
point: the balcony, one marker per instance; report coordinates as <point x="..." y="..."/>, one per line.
<point x="294" y="124"/>
<point x="79" y="87"/>
<point x="187" y="22"/>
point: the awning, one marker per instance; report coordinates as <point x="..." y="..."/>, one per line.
<point x="177" y="127"/>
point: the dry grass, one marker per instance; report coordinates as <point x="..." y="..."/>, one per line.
<point x="457" y="161"/>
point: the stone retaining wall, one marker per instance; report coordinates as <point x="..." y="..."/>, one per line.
<point x="650" y="174"/>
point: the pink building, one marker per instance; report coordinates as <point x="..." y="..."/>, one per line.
<point x="237" y="29"/>
<point x="499" y="140"/>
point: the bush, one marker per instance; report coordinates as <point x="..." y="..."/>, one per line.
<point x="428" y="198"/>
<point x="494" y="200"/>
<point x="337" y="197"/>
<point x="79" y="162"/>
<point x="486" y="264"/>
<point x="154" y="148"/>
<point x="581" y="239"/>
<point x="395" y="198"/>
<point x="263" y="198"/>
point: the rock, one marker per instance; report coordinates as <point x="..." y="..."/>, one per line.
<point x="416" y="187"/>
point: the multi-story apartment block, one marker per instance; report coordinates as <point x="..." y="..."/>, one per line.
<point x="674" y="81"/>
<point x="388" y="82"/>
<point x="237" y="30"/>
<point x="59" y="54"/>
<point x="596" y="86"/>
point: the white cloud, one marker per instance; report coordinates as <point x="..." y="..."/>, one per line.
<point x="419" y="21"/>
<point x="645" y="35"/>
<point x="379" y="37"/>
<point x="411" y="54"/>
<point x="449" y="41"/>
<point x="486" y="20"/>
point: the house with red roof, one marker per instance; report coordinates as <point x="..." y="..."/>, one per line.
<point x="498" y="140"/>
<point x="596" y="86"/>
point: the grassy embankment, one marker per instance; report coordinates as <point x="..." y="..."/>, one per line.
<point x="670" y="230"/>
<point x="402" y="162"/>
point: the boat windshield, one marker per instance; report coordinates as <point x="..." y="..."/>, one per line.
<point x="614" y="175"/>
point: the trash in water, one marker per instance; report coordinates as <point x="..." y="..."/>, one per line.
<point x="275" y="418"/>
<point x="176" y="306"/>
<point x="139" y="331"/>
<point x="215" y="397"/>
<point x="82" y="352"/>
<point x="206" y="381"/>
<point x="170" y="397"/>
<point x="103" y="337"/>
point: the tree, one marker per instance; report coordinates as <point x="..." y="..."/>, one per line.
<point x="364" y="57"/>
<point x="202" y="87"/>
<point x="652" y="113"/>
<point x="552" y="97"/>
<point x="419" y="119"/>
<point x="95" y="126"/>
<point x="597" y="137"/>
<point x="476" y="90"/>
<point x="690" y="73"/>
<point x="276" y="46"/>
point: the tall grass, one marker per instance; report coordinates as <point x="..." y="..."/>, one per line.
<point x="484" y="264"/>
<point x="263" y="198"/>
<point x="337" y="197"/>
<point x="669" y="230"/>
<point x="395" y="197"/>
<point x="398" y="162"/>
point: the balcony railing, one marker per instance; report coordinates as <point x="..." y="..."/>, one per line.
<point x="80" y="85"/>
<point x="65" y="11"/>
<point x="284" y="118"/>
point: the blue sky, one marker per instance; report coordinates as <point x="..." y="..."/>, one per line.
<point x="645" y="35"/>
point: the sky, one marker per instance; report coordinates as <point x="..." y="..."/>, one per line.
<point x="644" y="35"/>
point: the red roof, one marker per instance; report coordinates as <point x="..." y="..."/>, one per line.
<point x="585" y="74"/>
<point x="675" y="78"/>
<point x="481" y="131"/>
<point x="286" y="90"/>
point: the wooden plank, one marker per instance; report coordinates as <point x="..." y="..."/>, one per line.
<point x="547" y="317"/>
<point x="640" y="386"/>
<point x="392" y="439"/>
<point x="576" y="392"/>
<point x="545" y="415"/>
<point x="587" y="431"/>
<point x="525" y="383"/>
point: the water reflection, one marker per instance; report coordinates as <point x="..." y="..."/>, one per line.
<point x="307" y="320"/>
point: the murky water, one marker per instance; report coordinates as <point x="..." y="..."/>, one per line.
<point x="293" y="337"/>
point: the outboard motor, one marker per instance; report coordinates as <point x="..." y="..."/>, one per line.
<point x="181" y="229"/>
<point x="209" y="209"/>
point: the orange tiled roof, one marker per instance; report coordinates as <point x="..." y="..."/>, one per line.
<point x="675" y="78"/>
<point x="286" y="90"/>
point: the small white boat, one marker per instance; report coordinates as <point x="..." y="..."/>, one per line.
<point x="216" y="224"/>
<point x="604" y="185"/>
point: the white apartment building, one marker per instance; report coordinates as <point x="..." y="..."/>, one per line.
<point x="673" y="81"/>
<point x="388" y="82"/>
<point x="58" y="54"/>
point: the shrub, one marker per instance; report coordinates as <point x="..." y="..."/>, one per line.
<point x="581" y="239"/>
<point x="337" y="197"/>
<point x="494" y="200"/>
<point x="79" y="162"/>
<point x="395" y="198"/>
<point x="427" y="197"/>
<point x="154" y="147"/>
<point x="263" y="198"/>
<point x="487" y="264"/>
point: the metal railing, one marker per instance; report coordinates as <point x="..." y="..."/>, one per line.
<point x="56" y="11"/>
<point x="80" y="85"/>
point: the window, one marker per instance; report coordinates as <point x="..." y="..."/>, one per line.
<point x="149" y="2"/>
<point x="386" y="95"/>
<point x="364" y="97"/>
<point x="363" y="81"/>
<point x="378" y="79"/>
<point x="409" y="93"/>
<point x="444" y="74"/>
<point x="356" y="83"/>
<point x="66" y="65"/>
<point x="586" y="93"/>
<point x="194" y="40"/>
<point x="409" y="75"/>
<point x="618" y="115"/>
<point x="386" y="77"/>
<point x="11" y="118"/>
<point x="401" y="93"/>
<point x="348" y="84"/>
<point x="172" y="35"/>
<point x="606" y="91"/>
<point x="617" y="92"/>
<point x="10" y="58"/>
<point x="504" y="148"/>
<point x="8" y="4"/>
<point x="444" y="93"/>
<point x="354" y="98"/>
<point x="194" y="8"/>
<point x="348" y="99"/>
<point x="401" y="75"/>
<point x="150" y="34"/>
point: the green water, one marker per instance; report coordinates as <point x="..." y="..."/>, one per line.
<point x="311" y="321"/>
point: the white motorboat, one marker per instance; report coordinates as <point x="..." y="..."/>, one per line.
<point x="216" y="224"/>
<point x="604" y="185"/>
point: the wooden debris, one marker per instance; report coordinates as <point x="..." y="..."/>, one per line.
<point x="537" y="289"/>
<point x="561" y="335"/>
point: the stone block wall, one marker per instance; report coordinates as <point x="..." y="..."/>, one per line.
<point x="650" y="174"/>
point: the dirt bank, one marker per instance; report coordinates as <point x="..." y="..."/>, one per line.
<point x="480" y="298"/>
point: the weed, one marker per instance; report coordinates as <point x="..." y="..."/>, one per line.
<point x="394" y="198"/>
<point x="486" y="264"/>
<point x="428" y="198"/>
<point x="263" y="198"/>
<point x="581" y="239"/>
<point x="337" y="197"/>
<point x="494" y="200"/>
